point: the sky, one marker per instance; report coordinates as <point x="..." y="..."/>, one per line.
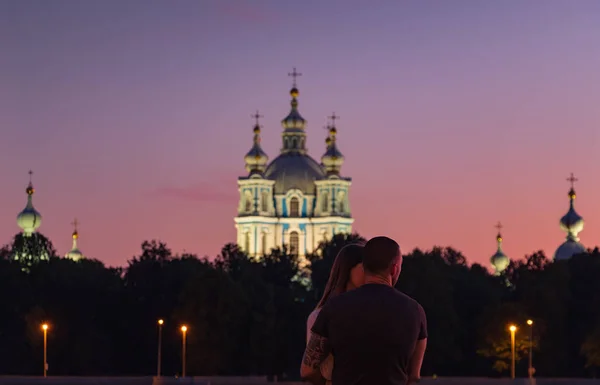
<point x="135" y="116"/>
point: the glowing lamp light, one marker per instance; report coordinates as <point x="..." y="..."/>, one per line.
<point x="45" y="327"/>
<point x="160" y="322"/>
<point x="184" y="328"/>
<point x="529" y="322"/>
<point x="512" y="328"/>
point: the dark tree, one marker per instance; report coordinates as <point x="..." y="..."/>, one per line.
<point x="248" y="316"/>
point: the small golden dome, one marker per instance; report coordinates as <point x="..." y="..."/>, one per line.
<point x="75" y="235"/>
<point x="333" y="131"/>
<point x="256" y="129"/>
<point x="328" y="141"/>
<point x="30" y="190"/>
<point x="294" y="92"/>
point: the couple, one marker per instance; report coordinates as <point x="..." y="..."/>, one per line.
<point x="363" y="331"/>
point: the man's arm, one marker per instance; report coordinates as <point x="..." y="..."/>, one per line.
<point x="316" y="352"/>
<point x="416" y="360"/>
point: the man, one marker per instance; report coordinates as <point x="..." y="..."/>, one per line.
<point x="377" y="335"/>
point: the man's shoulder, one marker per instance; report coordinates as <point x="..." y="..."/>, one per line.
<point x="394" y="296"/>
<point x="341" y="300"/>
<point x="368" y="292"/>
<point x="405" y="296"/>
<point x="407" y="299"/>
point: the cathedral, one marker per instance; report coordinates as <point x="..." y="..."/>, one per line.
<point x="292" y="201"/>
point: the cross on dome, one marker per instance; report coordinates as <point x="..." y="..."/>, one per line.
<point x="294" y="74"/>
<point x="257" y="116"/>
<point x="572" y="180"/>
<point x="499" y="226"/>
<point x="333" y="118"/>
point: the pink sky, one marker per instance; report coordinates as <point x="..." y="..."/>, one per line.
<point x="135" y="116"/>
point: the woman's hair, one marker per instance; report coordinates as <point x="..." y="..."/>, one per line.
<point x="348" y="257"/>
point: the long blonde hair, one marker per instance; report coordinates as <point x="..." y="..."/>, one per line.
<point x="348" y="257"/>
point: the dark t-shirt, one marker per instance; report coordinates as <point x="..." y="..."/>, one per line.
<point x="373" y="331"/>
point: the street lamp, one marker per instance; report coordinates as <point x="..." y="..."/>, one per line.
<point x="184" y="332"/>
<point x="512" y="329"/>
<point x="160" y="324"/>
<point x="45" y="329"/>
<point x="530" y="370"/>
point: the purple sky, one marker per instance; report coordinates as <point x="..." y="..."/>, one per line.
<point x="135" y="116"/>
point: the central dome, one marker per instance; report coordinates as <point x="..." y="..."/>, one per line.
<point x="294" y="171"/>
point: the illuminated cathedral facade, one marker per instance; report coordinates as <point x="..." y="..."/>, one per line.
<point x="293" y="201"/>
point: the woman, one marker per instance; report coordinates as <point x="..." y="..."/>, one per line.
<point x="346" y="274"/>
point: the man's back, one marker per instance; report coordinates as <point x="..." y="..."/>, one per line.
<point x="372" y="331"/>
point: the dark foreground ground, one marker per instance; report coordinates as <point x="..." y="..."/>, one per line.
<point x="17" y="380"/>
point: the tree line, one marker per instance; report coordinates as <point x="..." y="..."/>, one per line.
<point x="248" y="317"/>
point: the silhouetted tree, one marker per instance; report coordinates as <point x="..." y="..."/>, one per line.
<point x="248" y="315"/>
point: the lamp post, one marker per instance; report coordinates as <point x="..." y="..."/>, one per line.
<point x="530" y="370"/>
<point x="45" y="329"/>
<point x="512" y="329"/>
<point x="183" y="331"/>
<point x="160" y="324"/>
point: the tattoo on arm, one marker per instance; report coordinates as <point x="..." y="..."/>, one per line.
<point x="316" y="351"/>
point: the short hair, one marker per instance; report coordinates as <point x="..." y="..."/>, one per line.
<point x="380" y="253"/>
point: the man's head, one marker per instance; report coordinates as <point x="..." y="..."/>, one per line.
<point x="382" y="258"/>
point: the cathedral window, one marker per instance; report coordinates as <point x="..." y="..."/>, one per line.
<point x="325" y="202"/>
<point x="265" y="201"/>
<point x="294" y="243"/>
<point x="294" y="207"/>
<point x="342" y="203"/>
<point x="264" y="244"/>
<point x="247" y="243"/>
<point x="248" y="202"/>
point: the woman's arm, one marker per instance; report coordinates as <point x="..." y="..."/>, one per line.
<point x="310" y="322"/>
